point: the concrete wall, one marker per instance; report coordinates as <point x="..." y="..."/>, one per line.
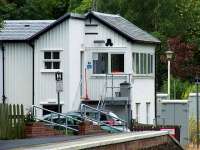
<point x="18" y="73"/>
<point x="175" y="112"/>
<point x="193" y="105"/>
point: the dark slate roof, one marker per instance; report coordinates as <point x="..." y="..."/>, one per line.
<point x="22" y="29"/>
<point x="30" y="29"/>
<point x="124" y="27"/>
<point x="58" y="21"/>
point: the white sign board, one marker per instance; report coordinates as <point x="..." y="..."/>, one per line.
<point x="59" y="86"/>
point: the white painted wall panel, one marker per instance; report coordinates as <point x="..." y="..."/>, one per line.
<point x="1" y="76"/>
<point x="142" y="87"/>
<point x="45" y="84"/>
<point x="143" y="90"/>
<point x="68" y="39"/>
<point x="18" y="73"/>
<point x="76" y="40"/>
<point x="104" y="33"/>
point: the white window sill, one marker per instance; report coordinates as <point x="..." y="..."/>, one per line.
<point x="50" y="70"/>
<point x="110" y="74"/>
<point x="143" y="75"/>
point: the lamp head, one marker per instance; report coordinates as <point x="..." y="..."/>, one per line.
<point x="169" y="54"/>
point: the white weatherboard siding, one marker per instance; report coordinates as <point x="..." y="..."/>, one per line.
<point x="66" y="39"/>
<point x="76" y="37"/>
<point x="18" y="73"/>
<point x="103" y="34"/>
<point x="142" y="93"/>
<point x="1" y="76"/>
<point x="143" y="87"/>
<point x="45" y="84"/>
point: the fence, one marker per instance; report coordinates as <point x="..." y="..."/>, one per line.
<point x="11" y="121"/>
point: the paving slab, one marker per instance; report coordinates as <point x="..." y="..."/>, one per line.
<point x="95" y="141"/>
<point x="19" y="143"/>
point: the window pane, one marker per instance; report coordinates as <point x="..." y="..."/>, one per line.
<point x="48" y="65"/>
<point x="145" y="64"/>
<point x="149" y="63"/>
<point x="56" y="55"/>
<point x="137" y="63"/>
<point x="47" y="55"/>
<point x="117" y="63"/>
<point x="56" y="65"/>
<point x="100" y="63"/>
<point x="134" y="62"/>
<point x="151" y="71"/>
<point x="141" y="63"/>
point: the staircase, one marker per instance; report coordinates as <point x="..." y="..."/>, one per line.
<point x="87" y="113"/>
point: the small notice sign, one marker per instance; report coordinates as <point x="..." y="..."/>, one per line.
<point x="59" y="76"/>
<point x="59" y="86"/>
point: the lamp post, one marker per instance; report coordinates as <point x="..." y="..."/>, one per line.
<point x="169" y="55"/>
<point x="197" y="82"/>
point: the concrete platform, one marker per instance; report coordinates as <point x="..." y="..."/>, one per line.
<point x="96" y="141"/>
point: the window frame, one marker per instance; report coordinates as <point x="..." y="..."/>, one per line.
<point x="141" y="69"/>
<point x="109" y="62"/>
<point x="51" y="60"/>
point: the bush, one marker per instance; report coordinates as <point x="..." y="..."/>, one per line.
<point x="29" y="117"/>
<point x="179" y="89"/>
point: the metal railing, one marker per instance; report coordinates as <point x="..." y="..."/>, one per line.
<point x="52" y="114"/>
<point x="85" y="108"/>
<point x="127" y="76"/>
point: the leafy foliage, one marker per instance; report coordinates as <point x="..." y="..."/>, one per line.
<point x="179" y="89"/>
<point x="184" y="65"/>
<point x="174" y="22"/>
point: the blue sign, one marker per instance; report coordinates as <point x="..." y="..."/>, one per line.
<point x="89" y="65"/>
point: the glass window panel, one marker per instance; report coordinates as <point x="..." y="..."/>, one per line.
<point x="149" y="63"/>
<point x="56" y="65"/>
<point x="56" y="55"/>
<point x="145" y="64"/>
<point x="47" y="55"/>
<point x="100" y="63"/>
<point x="117" y="63"/>
<point x="48" y="65"/>
<point x="134" y="62"/>
<point x="141" y="63"/>
<point x="151" y="70"/>
<point x="137" y="63"/>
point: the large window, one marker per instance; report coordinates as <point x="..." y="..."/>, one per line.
<point x="142" y="63"/>
<point x="104" y="63"/>
<point x="51" y="60"/>
<point x="117" y="63"/>
<point x="100" y="63"/>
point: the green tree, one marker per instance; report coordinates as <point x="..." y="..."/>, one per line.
<point x="81" y="7"/>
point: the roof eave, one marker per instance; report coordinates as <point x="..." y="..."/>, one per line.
<point x="14" y="40"/>
<point x="57" y="22"/>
